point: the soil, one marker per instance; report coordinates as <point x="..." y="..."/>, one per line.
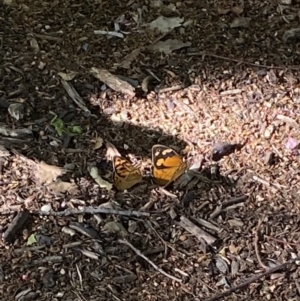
<point x="218" y="81"/>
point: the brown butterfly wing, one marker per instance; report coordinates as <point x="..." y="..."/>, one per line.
<point x="167" y="165"/>
<point x="125" y="175"/>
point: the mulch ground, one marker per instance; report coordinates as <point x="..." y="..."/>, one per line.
<point x="218" y="82"/>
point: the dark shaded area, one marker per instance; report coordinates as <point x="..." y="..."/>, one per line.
<point x="237" y="82"/>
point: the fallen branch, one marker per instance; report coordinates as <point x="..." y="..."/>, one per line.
<point x="91" y="210"/>
<point x="256" y="243"/>
<point x="196" y="231"/>
<point x="252" y="280"/>
<point x="138" y="253"/>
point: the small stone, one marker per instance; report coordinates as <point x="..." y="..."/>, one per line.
<point x="16" y="110"/>
<point x="46" y="208"/>
<point x="269" y="131"/>
<point x="269" y="158"/>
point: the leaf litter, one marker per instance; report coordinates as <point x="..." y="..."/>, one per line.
<point x="237" y="80"/>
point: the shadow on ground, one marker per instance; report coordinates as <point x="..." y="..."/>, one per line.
<point x="236" y="81"/>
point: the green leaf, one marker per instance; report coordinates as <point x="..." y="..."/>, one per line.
<point x="76" y="129"/>
<point x="31" y="240"/>
<point x="58" y="125"/>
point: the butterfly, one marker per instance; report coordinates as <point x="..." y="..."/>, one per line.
<point x="167" y="165"/>
<point x="125" y="175"/>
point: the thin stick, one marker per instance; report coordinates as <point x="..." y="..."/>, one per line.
<point x="162" y="240"/>
<point x="241" y="61"/>
<point x="165" y="244"/>
<point x="283" y="241"/>
<point x="27" y="249"/>
<point x="222" y="207"/>
<point x="252" y="280"/>
<point x="267" y="183"/>
<point x="91" y="210"/>
<point x="138" y="253"/>
<point x="256" y="244"/>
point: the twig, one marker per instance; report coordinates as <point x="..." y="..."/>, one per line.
<point x="171" y="89"/>
<point x="233" y="201"/>
<point x="166" y="244"/>
<point x="240" y="61"/>
<point x="39" y="261"/>
<point x="138" y="253"/>
<point x="80" y="276"/>
<point x="79" y="295"/>
<point x="283" y="241"/>
<point x="162" y="240"/>
<point x="256" y="243"/>
<point x="252" y="280"/>
<point x="91" y="210"/>
<point x="193" y="229"/>
<point x="267" y="183"/>
<point x="28" y="249"/>
<point x="206" y="224"/>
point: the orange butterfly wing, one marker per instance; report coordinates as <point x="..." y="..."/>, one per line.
<point x="125" y="175"/>
<point x="167" y="165"/>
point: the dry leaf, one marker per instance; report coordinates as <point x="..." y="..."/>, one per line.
<point x="67" y="76"/>
<point x="223" y="11"/>
<point x="145" y="83"/>
<point x="101" y="182"/>
<point x="47" y="173"/>
<point x="129" y="58"/>
<point x="115" y="227"/>
<point x="237" y="9"/>
<point x="293" y="33"/>
<point x="98" y="143"/>
<point x="168" y="46"/>
<point x="111" y="151"/>
<point x="60" y="186"/>
<point x="34" y="44"/>
<point x="75" y="96"/>
<point x="164" y="24"/>
<point x="113" y="81"/>
<point x="240" y="22"/>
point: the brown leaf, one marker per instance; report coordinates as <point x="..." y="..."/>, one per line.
<point x="60" y="186"/>
<point x="168" y="46"/>
<point x="240" y="22"/>
<point x="47" y="173"/>
<point x="111" y="150"/>
<point x="223" y="11"/>
<point x="129" y="58"/>
<point x="113" y="81"/>
<point x="145" y="83"/>
<point x="237" y="9"/>
<point x="115" y="227"/>
<point x="98" y="143"/>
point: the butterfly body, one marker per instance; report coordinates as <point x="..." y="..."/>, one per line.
<point x="125" y="175"/>
<point x="167" y="165"/>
